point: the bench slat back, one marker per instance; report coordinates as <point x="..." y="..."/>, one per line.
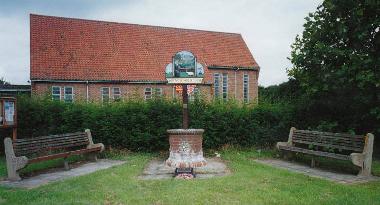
<point x="329" y="140"/>
<point x="38" y="145"/>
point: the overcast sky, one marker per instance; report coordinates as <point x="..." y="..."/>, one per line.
<point x="268" y="27"/>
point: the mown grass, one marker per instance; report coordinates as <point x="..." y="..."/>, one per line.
<point x="249" y="183"/>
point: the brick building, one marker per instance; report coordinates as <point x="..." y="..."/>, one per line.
<point x="76" y="59"/>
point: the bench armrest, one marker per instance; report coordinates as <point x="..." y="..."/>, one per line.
<point x="290" y="139"/>
<point x="357" y="159"/>
<point x="281" y="144"/>
<point x="364" y="160"/>
<point x="92" y="145"/>
<point x="13" y="163"/>
<point x="96" y="145"/>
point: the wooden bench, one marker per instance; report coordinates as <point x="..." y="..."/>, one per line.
<point x="355" y="148"/>
<point x="22" y="152"/>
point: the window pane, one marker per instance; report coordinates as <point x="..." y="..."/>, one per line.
<point x="158" y="92"/>
<point x="117" y="98"/>
<point x="56" y="93"/>
<point x="105" y="94"/>
<point x="68" y="97"/>
<point x="56" y="90"/>
<point x="225" y="86"/>
<point x="194" y="95"/>
<point x="116" y="91"/>
<point x="246" y="87"/>
<point x="68" y="90"/>
<point x="105" y="91"/>
<point x="116" y="94"/>
<point x="148" y="93"/>
<point x="105" y="98"/>
<point x="56" y="97"/>
<point x="216" y="85"/>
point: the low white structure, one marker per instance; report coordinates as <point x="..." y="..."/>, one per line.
<point x="186" y="148"/>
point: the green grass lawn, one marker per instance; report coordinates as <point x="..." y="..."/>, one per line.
<point x="250" y="183"/>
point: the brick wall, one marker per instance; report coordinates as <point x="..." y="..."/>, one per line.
<point x="235" y="83"/>
<point x="235" y="88"/>
<point x="128" y="91"/>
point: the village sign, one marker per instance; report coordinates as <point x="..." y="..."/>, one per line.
<point x="184" y="69"/>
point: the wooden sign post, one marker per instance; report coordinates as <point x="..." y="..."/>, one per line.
<point x="185" y="108"/>
<point x="8" y="115"/>
<point x="184" y="70"/>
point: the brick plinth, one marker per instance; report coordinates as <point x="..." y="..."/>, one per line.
<point x="186" y="148"/>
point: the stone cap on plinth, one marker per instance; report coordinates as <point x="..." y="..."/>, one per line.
<point x="186" y="131"/>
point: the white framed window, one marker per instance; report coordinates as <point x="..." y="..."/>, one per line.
<point x="157" y="92"/>
<point x="246" y="88"/>
<point x="105" y="92"/>
<point x="216" y="85"/>
<point x="148" y="93"/>
<point x="225" y="86"/>
<point x="194" y="95"/>
<point x="56" y="92"/>
<point x="116" y="94"/>
<point x="68" y="94"/>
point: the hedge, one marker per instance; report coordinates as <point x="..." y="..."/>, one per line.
<point x="141" y="126"/>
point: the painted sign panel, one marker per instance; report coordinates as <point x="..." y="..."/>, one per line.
<point x="184" y="69"/>
<point x="9" y="112"/>
<point x="184" y="64"/>
<point x="190" y="89"/>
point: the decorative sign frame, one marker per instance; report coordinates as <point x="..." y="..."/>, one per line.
<point x="184" y="69"/>
<point x="8" y="114"/>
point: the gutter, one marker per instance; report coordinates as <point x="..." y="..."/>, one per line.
<point x="255" y="68"/>
<point x="87" y="91"/>
<point x="15" y="90"/>
<point x="104" y="81"/>
<point x="97" y="81"/>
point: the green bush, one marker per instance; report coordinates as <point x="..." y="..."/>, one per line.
<point x="230" y="123"/>
<point x="141" y="126"/>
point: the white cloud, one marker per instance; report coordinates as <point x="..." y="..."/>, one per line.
<point x="268" y="27"/>
<point x="14" y="49"/>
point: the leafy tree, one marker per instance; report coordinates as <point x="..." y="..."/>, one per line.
<point x="285" y="93"/>
<point x="3" y="81"/>
<point x="337" y="62"/>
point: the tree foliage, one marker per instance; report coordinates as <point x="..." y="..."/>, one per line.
<point x="337" y="59"/>
<point x="285" y="93"/>
<point x="3" y="81"/>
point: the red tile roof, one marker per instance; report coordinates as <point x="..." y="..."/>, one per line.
<point x="77" y="49"/>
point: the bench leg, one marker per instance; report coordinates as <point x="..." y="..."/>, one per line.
<point x="66" y="164"/>
<point x="288" y="156"/>
<point x="92" y="157"/>
<point x="366" y="169"/>
<point x="312" y="162"/>
<point x="13" y="163"/>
